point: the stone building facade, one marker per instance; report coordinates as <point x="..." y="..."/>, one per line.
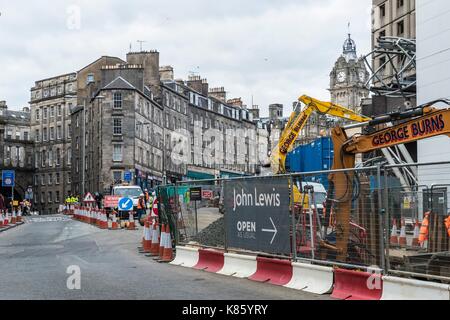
<point x="16" y="149"/>
<point x="222" y="133"/>
<point x="392" y="18"/>
<point x="123" y="125"/>
<point x="51" y="102"/>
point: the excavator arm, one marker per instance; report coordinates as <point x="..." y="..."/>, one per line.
<point x="297" y="121"/>
<point x="426" y="122"/>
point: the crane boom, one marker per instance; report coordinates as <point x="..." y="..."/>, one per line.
<point x="297" y="121"/>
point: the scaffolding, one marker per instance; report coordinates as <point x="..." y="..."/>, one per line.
<point x="396" y="74"/>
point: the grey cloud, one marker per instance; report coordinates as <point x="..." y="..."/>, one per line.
<point x="274" y="50"/>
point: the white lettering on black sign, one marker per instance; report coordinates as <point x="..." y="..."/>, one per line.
<point x="242" y="199"/>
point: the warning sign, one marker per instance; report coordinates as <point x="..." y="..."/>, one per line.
<point x="207" y="194"/>
<point x="111" y="201"/>
<point x="88" y="198"/>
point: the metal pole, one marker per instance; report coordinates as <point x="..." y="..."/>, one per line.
<point x="224" y="220"/>
<point x="178" y="206"/>
<point x="311" y="225"/>
<point x="293" y="224"/>
<point x="386" y="221"/>
<point x="12" y="199"/>
<point x="381" y="212"/>
<point x="196" y="218"/>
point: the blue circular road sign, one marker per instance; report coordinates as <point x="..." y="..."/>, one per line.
<point x="125" y="204"/>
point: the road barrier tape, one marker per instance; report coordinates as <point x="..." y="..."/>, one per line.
<point x="210" y="260"/>
<point x="311" y="278"/>
<point x="395" y="288"/>
<point x="186" y="257"/>
<point x="238" y="265"/>
<point x="355" y="285"/>
<point x="274" y="271"/>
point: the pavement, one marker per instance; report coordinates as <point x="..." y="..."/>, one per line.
<point x="34" y="261"/>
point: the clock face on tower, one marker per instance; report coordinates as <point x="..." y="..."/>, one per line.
<point x="341" y="76"/>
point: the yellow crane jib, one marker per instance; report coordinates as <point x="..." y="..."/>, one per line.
<point x="297" y="121"/>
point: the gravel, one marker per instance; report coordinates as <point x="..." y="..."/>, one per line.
<point x="213" y="235"/>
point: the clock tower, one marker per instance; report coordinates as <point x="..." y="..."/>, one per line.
<point x="348" y="78"/>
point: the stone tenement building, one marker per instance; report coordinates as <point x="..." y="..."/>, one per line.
<point x="16" y="149"/>
<point x="92" y="126"/>
<point x="51" y="102"/>
<point x="124" y="130"/>
<point x="222" y="132"/>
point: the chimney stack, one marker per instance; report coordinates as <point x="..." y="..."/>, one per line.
<point x="236" y="102"/>
<point x="149" y="60"/>
<point x="195" y="83"/>
<point x="166" y="73"/>
<point x="218" y="93"/>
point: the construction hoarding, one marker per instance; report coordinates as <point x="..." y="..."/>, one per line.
<point x="257" y="214"/>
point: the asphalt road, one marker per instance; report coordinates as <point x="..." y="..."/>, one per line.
<point x="34" y="259"/>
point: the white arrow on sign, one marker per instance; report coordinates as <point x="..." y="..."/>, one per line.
<point x="274" y="230"/>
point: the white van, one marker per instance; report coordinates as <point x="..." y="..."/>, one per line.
<point x="320" y="193"/>
<point x="132" y="192"/>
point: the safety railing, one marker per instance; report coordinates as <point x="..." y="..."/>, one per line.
<point x="362" y="218"/>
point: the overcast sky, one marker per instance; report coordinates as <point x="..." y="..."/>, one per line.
<point x="274" y="50"/>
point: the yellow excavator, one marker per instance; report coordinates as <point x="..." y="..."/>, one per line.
<point x="294" y="126"/>
<point x="422" y="122"/>
<point x="297" y="122"/>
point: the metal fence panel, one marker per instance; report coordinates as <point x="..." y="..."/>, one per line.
<point x="418" y="236"/>
<point x="364" y="219"/>
<point x="336" y="226"/>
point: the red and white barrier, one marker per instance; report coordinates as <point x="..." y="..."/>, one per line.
<point x="210" y="260"/>
<point x="186" y="257"/>
<point x="355" y="285"/>
<point x="238" y="265"/>
<point x="273" y="271"/>
<point x="344" y="284"/>
<point x="395" y="288"/>
<point x="311" y="278"/>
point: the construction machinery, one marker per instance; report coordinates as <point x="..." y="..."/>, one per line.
<point x="416" y="124"/>
<point x="298" y="120"/>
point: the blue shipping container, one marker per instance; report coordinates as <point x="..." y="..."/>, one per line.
<point x="316" y="156"/>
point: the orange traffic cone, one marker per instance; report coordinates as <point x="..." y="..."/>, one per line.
<point x="162" y="241"/>
<point x="19" y="216"/>
<point x="114" y="225"/>
<point x="143" y="233"/>
<point x="394" y="237"/>
<point x="1" y="219"/>
<point x="168" y="251"/>
<point x="402" y="238"/>
<point x="13" y="217"/>
<point x="147" y="243"/>
<point x="6" y="221"/>
<point x="131" y="225"/>
<point x="155" y="240"/>
<point x="415" y="241"/>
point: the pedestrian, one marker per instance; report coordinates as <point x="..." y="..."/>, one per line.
<point x="147" y="197"/>
<point x="141" y="206"/>
<point x="2" y="202"/>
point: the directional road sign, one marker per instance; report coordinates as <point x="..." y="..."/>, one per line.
<point x="126" y="204"/>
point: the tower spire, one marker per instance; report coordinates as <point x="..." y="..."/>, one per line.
<point x="349" y="51"/>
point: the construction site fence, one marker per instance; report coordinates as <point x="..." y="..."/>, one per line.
<point x="370" y="218"/>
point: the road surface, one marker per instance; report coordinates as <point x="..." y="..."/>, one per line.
<point x="34" y="259"/>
